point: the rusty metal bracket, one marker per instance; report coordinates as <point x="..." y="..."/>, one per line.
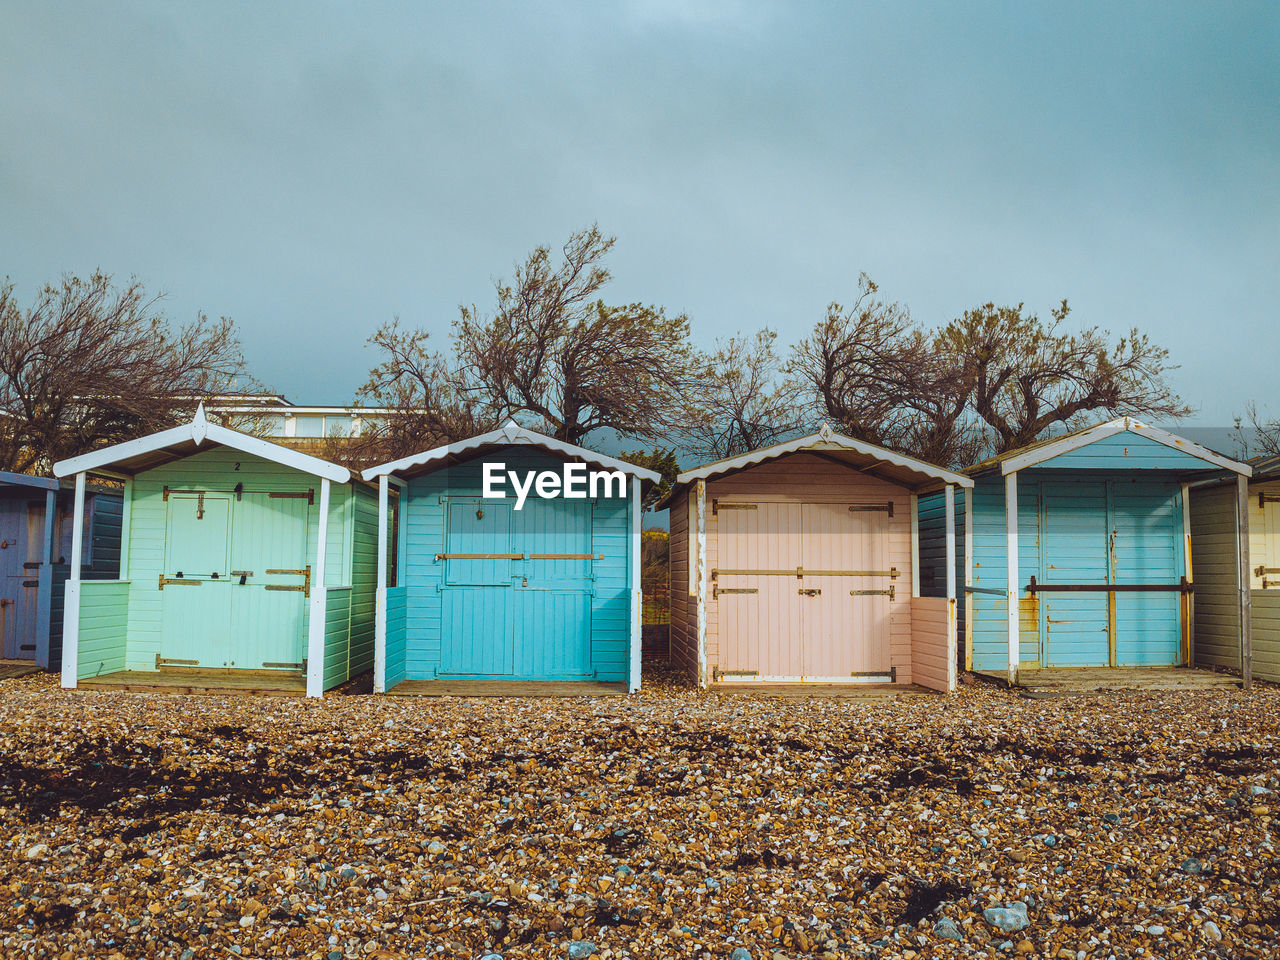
<point x="165" y="493"/>
<point x="891" y="593"/>
<point x="566" y="556"/>
<point x="717" y="506"/>
<point x="304" y="588"/>
<point x="717" y="590"/>
<point x="281" y="666"/>
<point x="481" y="556"/>
<point x="171" y="662"/>
<point x="717" y="673"/>
<point x="178" y="581"/>
<point x="1185" y="586"/>
<point x="810" y="591"/>
<point x="872" y="508"/>
<point x="309" y="496"/>
<point x="800" y="573"/>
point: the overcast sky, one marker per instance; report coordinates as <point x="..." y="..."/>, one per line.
<point x="312" y="170"/>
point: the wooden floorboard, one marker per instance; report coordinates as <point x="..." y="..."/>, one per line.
<point x="17" y="668"/>
<point x="505" y="688"/>
<point x="1051" y="681"/>
<point x="843" y="691"/>
<point x="250" y="683"/>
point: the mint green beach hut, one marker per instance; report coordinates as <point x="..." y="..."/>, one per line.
<point x="244" y="565"/>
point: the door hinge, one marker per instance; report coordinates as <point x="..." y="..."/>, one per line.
<point x="872" y="508"/>
<point x="717" y="506"/>
<point x="891" y="593"/>
<point x="178" y="581"/>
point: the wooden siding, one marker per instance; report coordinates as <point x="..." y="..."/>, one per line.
<point x="1215" y="559"/>
<point x="803" y="477"/>
<point x="364" y="577"/>
<point x="104" y="615"/>
<point x="397" y="608"/>
<point x="1126" y="451"/>
<point x="684" y="608"/>
<point x="931" y="511"/>
<point x="932" y="629"/>
<point x="337" y="626"/>
<point x="1266" y="634"/>
<point x="610" y="608"/>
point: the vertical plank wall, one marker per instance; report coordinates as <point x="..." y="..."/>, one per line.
<point x="425" y="529"/>
<point x="802" y="477"/>
<point x="684" y="609"/>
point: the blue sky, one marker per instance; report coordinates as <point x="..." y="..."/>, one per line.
<point x="312" y="170"/>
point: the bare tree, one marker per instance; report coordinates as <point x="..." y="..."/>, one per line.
<point x="1023" y="376"/>
<point x="552" y="348"/>
<point x="1256" y="434"/>
<point x="89" y="364"/>
<point x="422" y="396"/>
<point x="747" y="401"/>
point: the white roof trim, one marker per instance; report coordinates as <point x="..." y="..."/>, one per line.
<point x="517" y="436"/>
<point x="1055" y="448"/>
<point x="198" y="431"/>
<point x="824" y="440"/>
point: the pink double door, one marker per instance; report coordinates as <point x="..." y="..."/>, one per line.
<point x="803" y="591"/>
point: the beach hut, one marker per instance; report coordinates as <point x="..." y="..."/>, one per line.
<point x="1078" y="552"/>
<point x="1235" y="554"/>
<point x="35" y="543"/>
<point x="518" y="569"/>
<point x="798" y="563"/>
<point x="243" y="565"/>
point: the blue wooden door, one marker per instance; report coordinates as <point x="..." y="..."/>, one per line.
<point x="1073" y="549"/>
<point x="12" y="575"/>
<point x="552" y="595"/>
<point x="477" y="636"/>
<point x="195" y="604"/>
<point x="1147" y="547"/>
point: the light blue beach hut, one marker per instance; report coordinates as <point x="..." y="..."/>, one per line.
<point x="492" y="589"/>
<point x="1077" y="551"/>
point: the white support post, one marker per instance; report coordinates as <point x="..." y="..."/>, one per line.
<point x="126" y="513"/>
<point x="1011" y="563"/>
<point x="637" y="596"/>
<point x="380" y="601"/>
<point x="949" y="496"/>
<point x="915" y="545"/>
<point x="699" y="534"/>
<point x="71" y="596"/>
<point x="315" y="633"/>
<point x="44" y="591"/>
<point x="1188" y="599"/>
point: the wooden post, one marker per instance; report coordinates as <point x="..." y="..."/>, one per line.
<point x="1188" y="599"/>
<point x="1245" y="581"/>
<point x="380" y="596"/>
<point x="1011" y="565"/>
<point x="637" y="596"/>
<point x="126" y="517"/>
<point x="950" y="501"/>
<point x="315" y="631"/>
<point x="71" y="594"/>
<point x="699" y="534"/>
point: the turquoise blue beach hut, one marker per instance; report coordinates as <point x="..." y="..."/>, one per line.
<point x="517" y="568"/>
<point x="1077" y="551"/>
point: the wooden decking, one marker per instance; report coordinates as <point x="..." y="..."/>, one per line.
<point x="506" y="688"/>
<point x="843" y="691"/>
<point x="247" y="682"/>
<point x="17" y="668"/>
<point x="1083" y="681"/>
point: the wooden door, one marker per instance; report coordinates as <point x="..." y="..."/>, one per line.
<point x="1147" y="547"/>
<point x="270" y="582"/>
<point x="27" y="625"/>
<point x="195" y="600"/>
<point x="552" y="589"/>
<point x="846" y="626"/>
<point x="12" y="555"/>
<point x="758" y="603"/>
<point x="476" y="626"/>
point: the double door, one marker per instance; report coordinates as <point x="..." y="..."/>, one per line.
<point x="803" y="591"/>
<point x="236" y="581"/>
<point x="516" y="589"/>
<point x="21" y="560"/>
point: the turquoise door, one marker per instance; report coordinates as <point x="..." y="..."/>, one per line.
<point x="195" y="606"/>
<point x="477" y="630"/>
<point x="1146" y="530"/>
<point x="1073" y="541"/>
<point x="268" y="609"/>
<point x="553" y="595"/>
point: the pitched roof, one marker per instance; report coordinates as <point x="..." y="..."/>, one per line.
<point x="134" y="456"/>
<point x="511" y="435"/>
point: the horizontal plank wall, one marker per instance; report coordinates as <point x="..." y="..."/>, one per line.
<point x="337" y="627"/>
<point x="1125" y="451"/>
<point x="425" y="523"/>
<point x="104" y="614"/>
<point x="397" y="610"/>
<point x="931" y="630"/>
<point x="101" y="559"/>
<point x="1266" y="634"/>
<point x="684" y="612"/>
<point x="803" y="477"/>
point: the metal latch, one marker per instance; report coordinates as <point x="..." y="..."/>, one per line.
<point x="717" y="590"/>
<point x="242" y="574"/>
<point x="890" y="593"/>
<point x="179" y="580"/>
<point x="304" y="588"/>
<point x="810" y="591"/>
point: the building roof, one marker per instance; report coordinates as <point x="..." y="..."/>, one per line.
<point x="1266" y="467"/>
<point x="856" y="454"/>
<point x="27" y="480"/>
<point x="134" y="456"/>
<point x="511" y="435"/>
<point x="1033" y="453"/>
